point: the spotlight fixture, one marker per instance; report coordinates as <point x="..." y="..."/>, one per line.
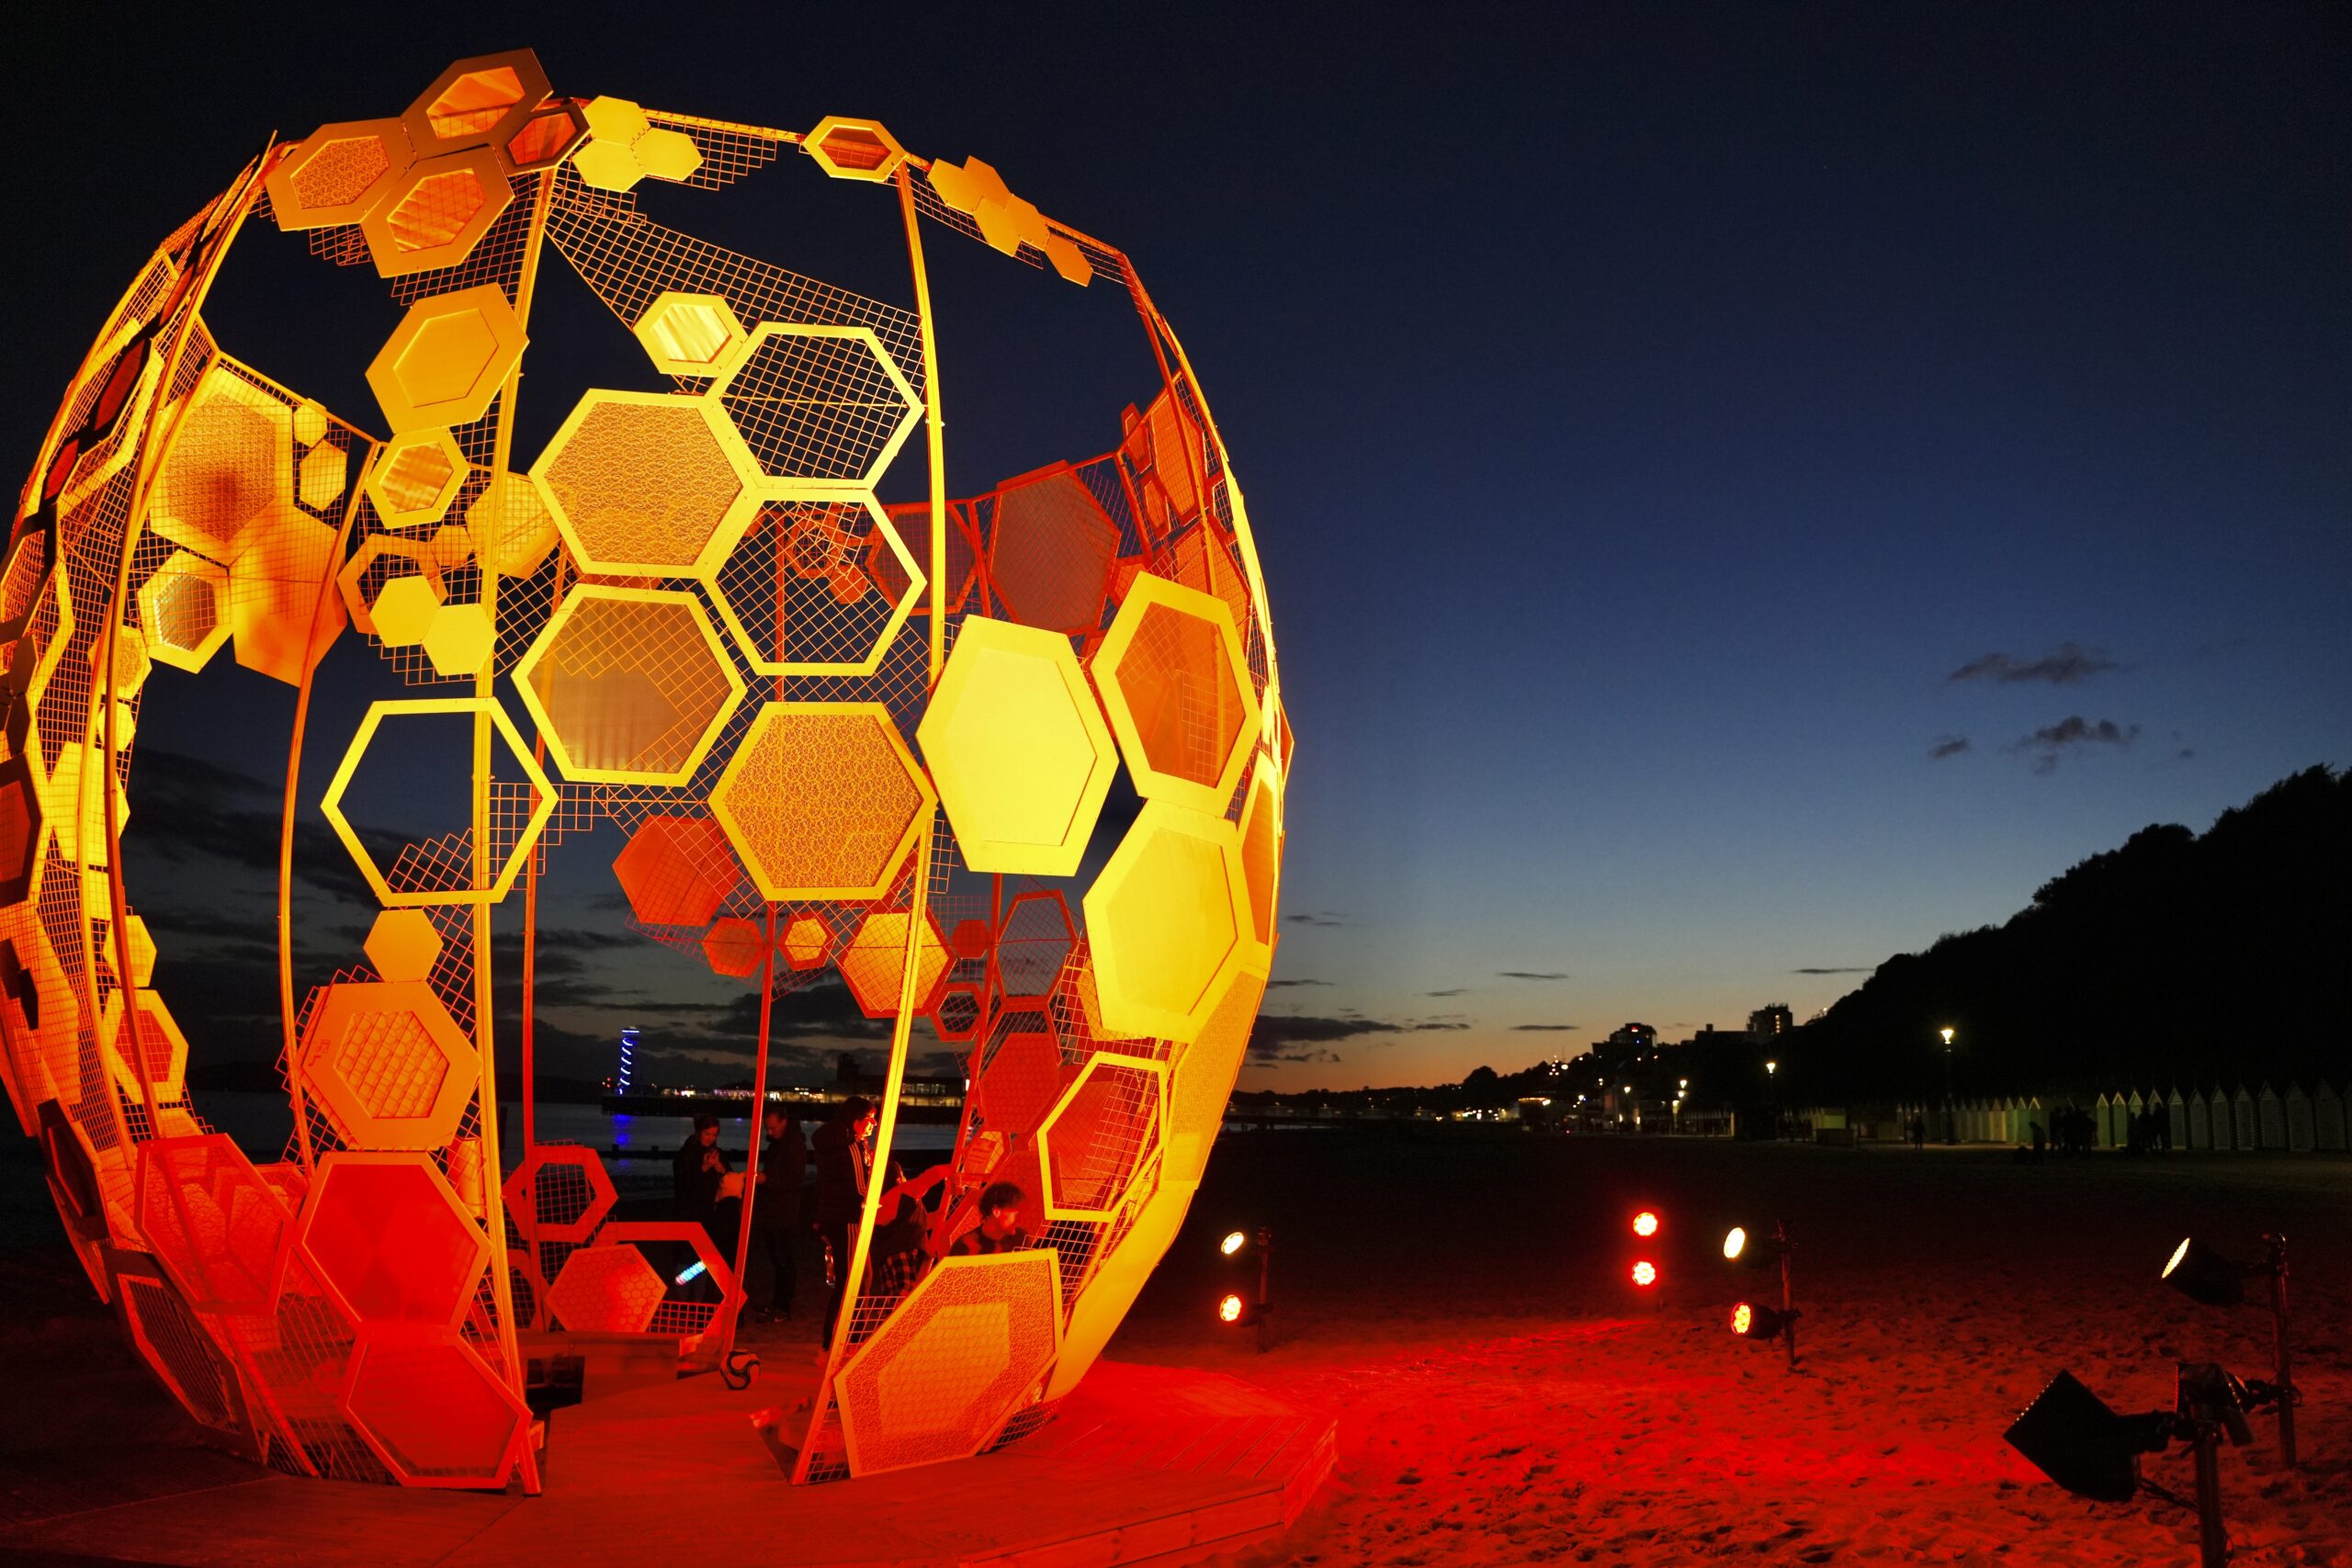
<point x="1231" y="1309"/>
<point x="1751" y="1320"/>
<point x="1646" y="1223"/>
<point x="1735" y="1243"/>
<point x="1748" y="1320"/>
<point x="2204" y="1275"/>
<point x="1256" y="1307"/>
<point x="1233" y="1242"/>
<point x="1645" y="1274"/>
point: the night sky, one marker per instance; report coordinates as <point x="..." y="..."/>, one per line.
<point x="1743" y="489"/>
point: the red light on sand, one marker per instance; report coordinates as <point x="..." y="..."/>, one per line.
<point x="1743" y="1317"/>
<point x="1229" y="1310"/>
<point x="1645" y="1224"/>
<point x="1645" y="1272"/>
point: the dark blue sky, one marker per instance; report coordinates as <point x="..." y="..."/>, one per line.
<point x="1646" y="410"/>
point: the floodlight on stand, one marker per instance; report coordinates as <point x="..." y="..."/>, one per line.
<point x="1231" y="1309"/>
<point x="1645" y="1274"/>
<point x="1752" y="1320"/>
<point x="1256" y="1307"/>
<point x="1233" y="1242"/>
<point x="2204" y="1275"/>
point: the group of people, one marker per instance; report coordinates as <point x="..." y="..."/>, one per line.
<point x="909" y="1218"/>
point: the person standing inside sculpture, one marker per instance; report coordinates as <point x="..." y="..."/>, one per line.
<point x="697" y="1173"/>
<point x="1000" y="1227"/>
<point x="843" y="1159"/>
<point x="775" y="1209"/>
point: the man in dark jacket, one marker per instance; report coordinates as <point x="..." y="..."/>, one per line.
<point x="697" y="1171"/>
<point x="775" y="1212"/>
<point x="843" y="1160"/>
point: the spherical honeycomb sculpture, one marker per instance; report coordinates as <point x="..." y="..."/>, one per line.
<point x="728" y="632"/>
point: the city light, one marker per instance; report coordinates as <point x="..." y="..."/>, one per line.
<point x="1646" y="1273"/>
<point x="1229" y="1309"/>
<point x="1645" y="1224"/>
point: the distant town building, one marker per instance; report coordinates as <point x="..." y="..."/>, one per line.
<point x="1632" y="1037"/>
<point x="1770" y="1021"/>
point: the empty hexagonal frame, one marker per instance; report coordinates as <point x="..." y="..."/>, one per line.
<point x="1018" y="747"/>
<point x="629" y="685"/>
<point x="565" y="1190"/>
<point x="854" y="150"/>
<point x="446" y="360"/>
<point x="216" y="1228"/>
<point x="823" y="801"/>
<point x="335" y="174"/>
<point x="417" y="475"/>
<point x="387" y="1062"/>
<point x="874" y="962"/>
<point x="389" y="1240"/>
<point x="941" y="1376"/>
<point x="647" y="484"/>
<point x="607" y="1290"/>
<point x="821" y="408"/>
<point x="509" y="854"/>
<point x="403" y="946"/>
<point x="1173" y="679"/>
<point x="432" y="213"/>
<point x="433" y="1410"/>
<point x="805" y="571"/>
<point x="485" y="99"/>
<point x="676" y="870"/>
<point x="1104" y="1129"/>
<point x="173" y="1341"/>
<point x="1167" y="922"/>
<point x="689" y="335"/>
<point x="182" y="607"/>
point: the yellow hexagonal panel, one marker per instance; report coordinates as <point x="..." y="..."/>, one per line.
<point x="854" y="150"/>
<point x="1261" y="847"/>
<point x="606" y="165"/>
<point x="229" y="468"/>
<point x="666" y="154"/>
<point x="649" y="484"/>
<point x="822" y="800"/>
<point x="404" y="611"/>
<point x="434" y="212"/>
<point x="459" y="639"/>
<point x="511" y="846"/>
<point x="689" y="335"/>
<point x="416" y="476"/>
<point x="629" y="685"/>
<point x="1200" y="1080"/>
<point x="874" y="962"/>
<point x="1172" y="678"/>
<point x="161" y="1048"/>
<point x="1018" y="747"/>
<point x="615" y="120"/>
<point x="805" y="571"/>
<point x="807" y="942"/>
<point x="321" y="476"/>
<point x="821" y="407"/>
<point x="1119" y="1278"/>
<point x="1104" y="1130"/>
<point x="446" y="360"/>
<point x="938" y="1379"/>
<point x="182" y="607"/>
<point x="1167" y="922"/>
<point x="335" y="174"/>
<point x="403" y="944"/>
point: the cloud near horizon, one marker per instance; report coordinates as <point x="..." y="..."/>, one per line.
<point x="2052" y="742"/>
<point x="1948" y="746"/>
<point x="1833" y="969"/>
<point x="2066" y="665"/>
<point x="1547" y="1027"/>
<point x="1531" y="974"/>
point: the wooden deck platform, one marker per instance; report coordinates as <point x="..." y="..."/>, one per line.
<point x="1142" y="1465"/>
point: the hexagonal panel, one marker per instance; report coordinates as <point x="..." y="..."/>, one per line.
<point x="486" y="98"/>
<point x="1034" y="943"/>
<point x="432" y="1409"/>
<point x="427" y="880"/>
<point x="1202" y="1077"/>
<point x="666" y="154"/>
<point x="434" y="211"/>
<point x="335" y="174"/>
<point x="648" y="484"/>
<point x="1052" y="550"/>
<point x="807" y="942"/>
<point x="1018" y="750"/>
<point x="1166" y="920"/>
<point x="605" y="1290"/>
<point x="854" y="150"/>
<point x="676" y="870"/>
<point x="547" y="138"/>
<point x="280" y="620"/>
<point x="735" y="947"/>
<point x="416" y="475"/>
<point x="1119" y="1278"/>
<point x="687" y="1315"/>
<point x="404" y="611"/>
<point x="173" y="1343"/>
<point x="458" y="639"/>
<point x="799" y="593"/>
<point x="1021" y="1081"/>
<point x="629" y="685"/>
<point x="939" y="1378"/>
<point x="820" y="406"/>
<point x="955" y="1016"/>
<point x="822" y="800"/>
<point x="1262" y="848"/>
<point x="320" y="478"/>
<point x="511" y="528"/>
<point x="161" y="1048"/>
<point x="390" y="1241"/>
<point x="449" y="358"/>
<point x="1103" y="1131"/>
<point x="182" y="607"/>
<point x="227" y="470"/>
<point x="1172" y="677"/>
<point x="874" y="962"/>
<point x="21" y="831"/>
<point x="389" y="1065"/>
<point x="689" y="335"/>
<point x="403" y="946"/>
<point x="564" y="1189"/>
<point x="215" y="1225"/>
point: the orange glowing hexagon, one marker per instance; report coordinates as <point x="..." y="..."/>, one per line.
<point x="404" y="611"/>
<point x="629" y="685"/>
<point x="229" y="469"/>
<point x="446" y="360"/>
<point x="1053" y="551"/>
<point x="142" y="951"/>
<point x="1262" y="848"/>
<point x="1167" y="922"/>
<point x="434" y="212"/>
<point x="416" y="476"/>
<point x="403" y="946"/>
<point x="689" y="335"/>
<point x="1020" y="1083"/>
<point x="647" y="484"/>
<point x="874" y="962"/>
<point x="676" y="870"/>
<point x="854" y="150"/>
<point x="941" y="1376"/>
<point x="515" y="844"/>
<point x="564" y="1187"/>
<point x="1104" y="1129"/>
<point x="335" y="174"/>
<point x="161" y="1048"/>
<point x="822" y="800"/>
<point x="282" y="616"/>
<point x="685" y="1318"/>
<point x="483" y="99"/>
<point x="1172" y="677"/>
<point x="458" y="638"/>
<point x="390" y="1241"/>
<point x="1018" y="747"/>
<point x="822" y="408"/>
<point x="807" y="942"/>
<point x="389" y="1065"/>
<point x="607" y="1290"/>
<point x="547" y="138"/>
<point x="955" y="1016"/>
<point x="215" y="1227"/>
<point x="1200" y="1080"/>
<point x="735" y="947"/>
<point x="433" y="1410"/>
<point x="793" y="591"/>
<point x="182" y="607"/>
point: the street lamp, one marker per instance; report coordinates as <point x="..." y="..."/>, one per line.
<point x="1952" y="1124"/>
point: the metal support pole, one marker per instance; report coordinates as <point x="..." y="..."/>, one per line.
<point x="1787" y="1306"/>
<point x="2283" y="1359"/>
<point x="2212" y="1539"/>
<point x="1265" y="1269"/>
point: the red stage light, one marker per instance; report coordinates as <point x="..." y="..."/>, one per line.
<point x="1645" y="1224"/>
<point x="1743" y="1316"/>
<point x="1229" y="1310"/>
<point x="1645" y="1272"/>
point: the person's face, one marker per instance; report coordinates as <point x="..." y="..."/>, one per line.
<point x="708" y="1136"/>
<point x="999" y="1221"/>
<point x="775" y="1126"/>
<point x="866" y="1124"/>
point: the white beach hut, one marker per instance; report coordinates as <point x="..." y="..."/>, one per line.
<point x="2270" y="1118"/>
<point x="2242" y="1120"/>
<point x="2302" y="1135"/>
<point x="2200" y="1121"/>
<point x="2327" y="1118"/>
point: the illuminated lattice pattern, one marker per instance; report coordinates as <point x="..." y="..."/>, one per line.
<point x="836" y="742"/>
